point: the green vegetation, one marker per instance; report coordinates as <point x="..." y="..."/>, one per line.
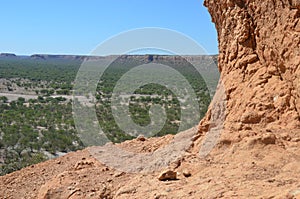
<point x="29" y="128"/>
<point x="32" y="130"/>
<point x="139" y="106"/>
<point x="44" y="75"/>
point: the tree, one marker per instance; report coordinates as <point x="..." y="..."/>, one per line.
<point x="4" y="99"/>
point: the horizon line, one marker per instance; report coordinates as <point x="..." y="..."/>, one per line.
<point x="86" y="55"/>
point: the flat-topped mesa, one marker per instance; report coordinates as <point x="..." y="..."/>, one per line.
<point x="7" y="55"/>
<point x="259" y="61"/>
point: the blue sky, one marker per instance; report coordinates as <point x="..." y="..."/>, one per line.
<point x="77" y="27"/>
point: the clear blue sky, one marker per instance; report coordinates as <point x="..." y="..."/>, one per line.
<point x="77" y="27"/>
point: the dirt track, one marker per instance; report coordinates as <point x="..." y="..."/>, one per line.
<point x="15" y="96"/>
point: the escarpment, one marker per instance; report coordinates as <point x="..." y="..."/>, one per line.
<point x="259" y="58"/>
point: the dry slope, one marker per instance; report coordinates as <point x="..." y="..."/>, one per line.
<point x="258" y="154"/>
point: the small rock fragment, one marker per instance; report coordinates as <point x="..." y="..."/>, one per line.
<point x="167" y="175"/>
<point x="186" y="173"/>
<point x="119" y="174"/>
<point x="268" y="139"/>
<point x="141" y="138"/>
<point x="82" y="164"/>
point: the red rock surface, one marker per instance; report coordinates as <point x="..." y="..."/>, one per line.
<point x="258" y="153"/>
<point x="259" y="45"/>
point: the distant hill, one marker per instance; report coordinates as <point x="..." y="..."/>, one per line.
<point x="7" y="55"/>
<point x="206" y="64"/>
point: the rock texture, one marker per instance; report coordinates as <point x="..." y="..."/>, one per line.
<point x="167" y="175"/>
<point x="256" y="110"/>
<point x="252" y="169"/>
<point x="259" y="61"/>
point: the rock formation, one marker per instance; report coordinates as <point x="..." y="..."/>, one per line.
<point x="259" y="61"/>
<point x="258" y="153"/>
<point x="7" y="55"/>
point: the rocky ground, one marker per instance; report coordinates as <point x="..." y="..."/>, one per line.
<point x="257" y="167"/>
<point x="247" y="146"/>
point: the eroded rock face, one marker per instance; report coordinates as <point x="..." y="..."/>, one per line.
<point x="259" y="61"/>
